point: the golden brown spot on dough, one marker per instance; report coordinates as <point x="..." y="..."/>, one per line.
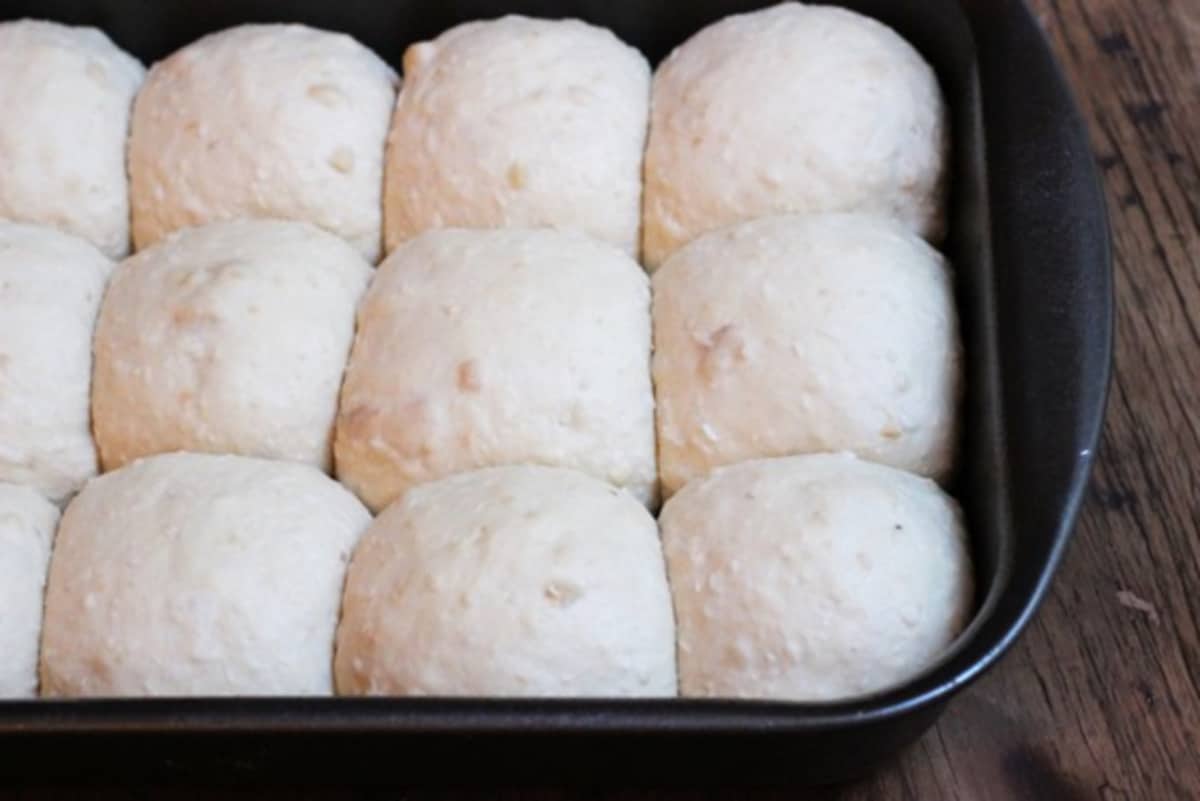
<point x="468" y="376"/>
<point x="517" y="177"/>
<point x="99" y="668"/>
<point x="562" y="593"/>
<point x="770" y="180"/>
<point x="224" y="271"/>
<point x="188" y="279"/>
<point x="361" y="421"/>
<point x="410" y="430"/>
<point x="476" y="534"/>
<point x="721" y="350"/>
<point x="184" y="397"/>
<point x="188" y="316"/>
<point x="342" y="160"/>
<point x="735" y="655"/>
<point x="890" y="432"/>
<point x="191" y="127"/>
<point x="417" y="56"/>
<point x="326" y="94"/>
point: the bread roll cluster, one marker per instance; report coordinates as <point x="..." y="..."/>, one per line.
<point x="66" y="94"/>
<point x="509" y="306"/>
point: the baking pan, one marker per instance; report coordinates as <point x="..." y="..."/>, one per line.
<point x="1030" y="244"/>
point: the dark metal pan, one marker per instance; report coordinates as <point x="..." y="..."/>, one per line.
<point x="1030" y="244"/>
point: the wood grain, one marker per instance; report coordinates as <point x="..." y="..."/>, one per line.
<point x="1100" y="700"/>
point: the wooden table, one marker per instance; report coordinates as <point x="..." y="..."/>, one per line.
<point x="1101" y="698"/>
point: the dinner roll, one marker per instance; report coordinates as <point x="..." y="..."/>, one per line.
<point x="795" y="108"/>
<point x="519" y="122"/>
<point x="510" y="581"/>
<point x="66" y="95"/>
<point x="478" y="348"/>
<point x="813" y="578"/>
<point x="227" y="338"/>
<point x="51" y="285"/>
<point x="263" y="121"/>
<point x="196" y="574"/>
<point x="800" y="334"/>
<point x="27" y="522"/>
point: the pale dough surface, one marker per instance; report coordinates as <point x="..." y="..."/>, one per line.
<point x="801" y="334"/>
<point x="196" y="574"/>
<point x="520" y="122"/>
<point x="486" y="347"/>
<point x="227" y="338"/>
<point x="66" y="94"/>
<point x="795" y="108"/>
<point x="27" y="523"/>
<point x="51" y="286"/>
<point x="263" y="121"/>
<point x="813" y="578"/>
<point x="510" y="581"/>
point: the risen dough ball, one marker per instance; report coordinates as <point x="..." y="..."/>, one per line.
<point x="480" y="348"/>
<point x="801" y="334"/>
<point x="263" y="121"/>
<point x="795" y="108"/>
<point x="51" y="285"/>
<point x="813" y="578"/>
<point x="65" y="96"/>
<point x="195" y="574"/>
<point x="520" y="122"/>
<point x="523" y="580"/>
<point x="228" y="338"/>
<point x="27" y="522"/>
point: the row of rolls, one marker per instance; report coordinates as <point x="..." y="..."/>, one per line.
<point x="512" y="122"/>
